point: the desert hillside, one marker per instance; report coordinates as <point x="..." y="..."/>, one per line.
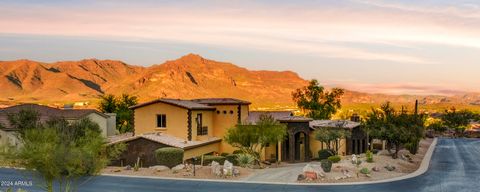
<point x="190" y="76"/>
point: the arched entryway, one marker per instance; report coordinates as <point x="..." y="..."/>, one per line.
<point x="296" y="147"/>
<point x="300" y="143"/>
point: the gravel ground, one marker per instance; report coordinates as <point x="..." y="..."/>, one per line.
<point x="202" y="172"/>
<point x="290" y="172"/>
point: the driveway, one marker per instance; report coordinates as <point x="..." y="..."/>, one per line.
<point x="287" y="174"/>
<point x="455" y="166"/>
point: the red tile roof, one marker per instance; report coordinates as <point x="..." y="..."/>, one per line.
<point x="221" y="101"/>
<point x="187" y="104"/>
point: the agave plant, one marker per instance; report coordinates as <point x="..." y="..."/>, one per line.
<point x="245" y="160"/>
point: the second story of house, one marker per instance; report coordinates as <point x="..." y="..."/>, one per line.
<point x="191" y="120"/>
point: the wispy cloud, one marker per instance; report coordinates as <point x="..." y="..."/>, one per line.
<point x="456" y="8"/>
<point x="431" y="42"/>
<point x="313" y="31"/>
<point x="399" y="88"/>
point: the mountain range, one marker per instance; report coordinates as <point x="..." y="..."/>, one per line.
<point x="190" y="76"/>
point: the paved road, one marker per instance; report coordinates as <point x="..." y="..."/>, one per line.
<point x="455" y="166"/>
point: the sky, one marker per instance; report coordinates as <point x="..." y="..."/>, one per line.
<point x="394" y="47"/>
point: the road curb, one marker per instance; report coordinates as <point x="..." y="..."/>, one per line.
<point x="421" y="170"/>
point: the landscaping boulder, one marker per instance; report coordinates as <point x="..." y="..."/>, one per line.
<point x="267" y="162"/>
<point x="227" y="168"/>
<point x="309" y="170"/>
<point x="390" y="168"/>
<point x="178" y="167"/>
<point x="301" y="177"/>
<point x="159" y="168"/>
<point x="216" y="168"/>
<point x="375" y="169"/>
<point x="384" y="152"/>
<point x="128" y="167"/>
<point x="310" y="175"/>
<point x="236" y="172"/>
<point x="346" y="173"/>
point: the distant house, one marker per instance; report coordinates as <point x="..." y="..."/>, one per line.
<point x="8" y="134"/>
<point x="199" y="125"/>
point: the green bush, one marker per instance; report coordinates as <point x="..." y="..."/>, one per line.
<point x="223" y="154"/>
<point x="326" y="165"/>
<point x="335" y="158"/>
<point x="324" y="154"/>
<point x="412" y="147"/>
<point x="369" y="155"/>
<point x="169" y="156"/>
<point x="365" y="171"/>
<point x="238" y="152"/>
<point x="207" y="159"/>
<point x="245" y="160"/>
<point x="232" y="158"/>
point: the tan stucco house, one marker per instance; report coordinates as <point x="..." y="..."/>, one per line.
<point x="196" y="125"/>
<point x="199" y="125"/>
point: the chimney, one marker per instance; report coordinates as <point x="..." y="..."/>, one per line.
<point x="355" y="118"/>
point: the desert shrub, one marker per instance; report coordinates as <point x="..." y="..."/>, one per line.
<point x="335" y="158"/>
<point x="245" y="160"/>
<point x="412" y="147"/>
<point x="238" y="152"/>
<point x="369" y="155"/>
<point x="325" y="153"/>
<point x="207" y="159"/>
<point x="326" y="165"/>
<point x="365" y="171"/>
<point x="224" y="154"/>
<point x="169" y="156"/>
<point x="232" y="159"/>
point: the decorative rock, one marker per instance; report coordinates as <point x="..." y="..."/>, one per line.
<point x="159" y="168"/>
<point x="236" y="172"/>
<point x="375" y="169"/>
<point x="354" y="159"/>
<point x="338" y="178"/>
<point x="310" y="175"/>
<point x="128" y="167"/>
<point x="178" y="167"/>
<point x="383" y="152"/>
<point x="301" y="177"/>
<point x="320" y="174"/>
<point x="216" y="168"/>
<point x="390" y="167"/>
<point x="346" y="173"/>
<point x="227" y="168"/>
<point x="267" y="162"/>
<point x="314" y="171"/>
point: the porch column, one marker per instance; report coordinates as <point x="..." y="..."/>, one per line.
<point x="307" y="147"/>
<point x="291" y="152"/>
<point x="279" y="151"/>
